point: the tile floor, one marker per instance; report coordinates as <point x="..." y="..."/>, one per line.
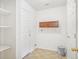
<point x="43" y="54"/>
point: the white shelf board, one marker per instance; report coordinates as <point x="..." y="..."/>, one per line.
<point x="3" y="26"/>
<point x="4" y="11"/>
<point x="3" y="48"/>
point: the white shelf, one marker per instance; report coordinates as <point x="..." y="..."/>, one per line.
<point x="3" y="26"/>
<point x="3" y="48"/>
<point x="4" y="11"/>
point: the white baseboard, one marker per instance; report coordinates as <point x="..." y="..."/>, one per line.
<point x="26" y="52"/>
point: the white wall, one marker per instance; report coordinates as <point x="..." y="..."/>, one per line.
<point x="52" y="38"/>
<point x="26" y="29"/>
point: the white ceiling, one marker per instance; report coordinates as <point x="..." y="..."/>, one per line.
<point x="44" y="4"/>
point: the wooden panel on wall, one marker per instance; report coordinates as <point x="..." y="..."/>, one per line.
<point x="49" y="24"/>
